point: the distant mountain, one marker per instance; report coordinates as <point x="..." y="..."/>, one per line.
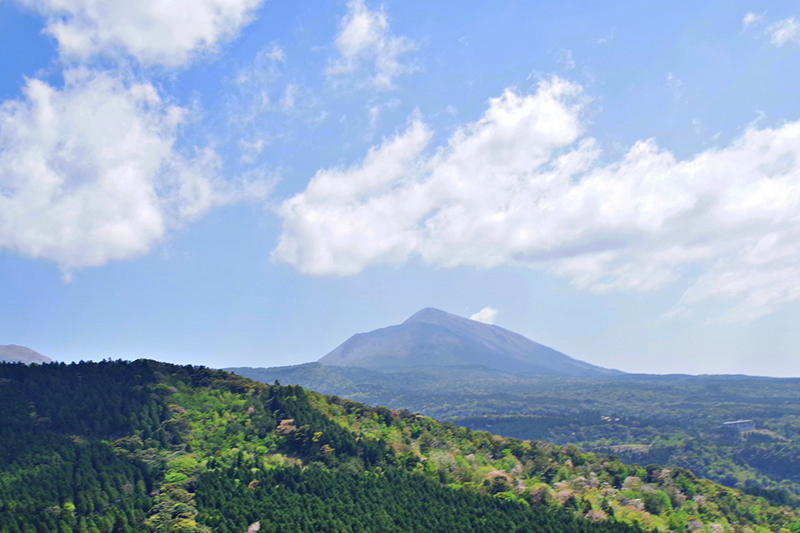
<point x="11" y="353"/>
<point x="434" y="338"/>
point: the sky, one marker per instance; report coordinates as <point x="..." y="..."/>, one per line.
<point x="250" y="182"/>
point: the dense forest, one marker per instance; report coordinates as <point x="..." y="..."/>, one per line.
<point x="144" y="446"/>
<point x="671" y="420"/>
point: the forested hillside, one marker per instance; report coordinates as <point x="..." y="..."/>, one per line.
<point x="672" y="420"/>
<point x="143" y="446"/>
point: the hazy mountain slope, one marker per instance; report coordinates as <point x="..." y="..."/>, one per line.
<point x="435" y="338"/>
<point x="11" y="353"/>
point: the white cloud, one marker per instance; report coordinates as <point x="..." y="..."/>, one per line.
<point x="152" y="31"/>
<point x="255" y="88"/>
<point x="675" y="86"/>
<point x="289" y="98"/>
<point x="264" y="69"/>
<point x="324" y="234"/>
<point x="276" y="53"/>
<point x="522" y="187"/>
<point x="374" y="112"/>
<point x="261" y="87"/>
<point x="607" y="38"/>
<point x="370" y="212"/>
<point x="566" y="60"/>
<point x="751" y="19"/>
<point x="365" y="38"/>
<point x="784" y="32"/>
<point x="487" y="315"/>
<point x="89" y="173"/>
<point x="780" y="34"/>
<point x="250" y="150"/>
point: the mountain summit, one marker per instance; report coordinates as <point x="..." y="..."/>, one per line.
<point x="11" y="353"/>
<point x="435" y="338"/>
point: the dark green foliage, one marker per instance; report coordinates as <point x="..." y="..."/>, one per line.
<point x="776" y="497"/>
<point x="54" y="473"/>
<point x="316" y="500"/>
<point x="527" y="426"/>
<point x="779" y="460"/>
<point x="656" y="502"/>
<point x="91" y="399"/>
<point x="291" y="402"/>
<point x="500" y="484"/>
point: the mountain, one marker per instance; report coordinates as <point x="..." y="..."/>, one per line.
<point x="11" y="353"/>
<point x="147" y="447"/>
<point x="434" y="338"/>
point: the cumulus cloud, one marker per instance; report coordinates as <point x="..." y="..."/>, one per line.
<point x="365" y="39"/>
<point x="152" y="31"/>
<point x="487" y="315"/>
<point x="523" y="186"/>
<point x="324" y="232"/>
<point x="89" y="172"/>
<point x="784" y="32"/>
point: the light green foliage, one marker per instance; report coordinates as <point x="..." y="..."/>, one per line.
<point x="652" y="497"/>
<point x="673" y="421"/>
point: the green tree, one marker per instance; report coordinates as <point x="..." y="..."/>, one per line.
<point x="656" y="502"/>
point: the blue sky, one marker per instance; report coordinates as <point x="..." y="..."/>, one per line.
<point x="250" y="182"/>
